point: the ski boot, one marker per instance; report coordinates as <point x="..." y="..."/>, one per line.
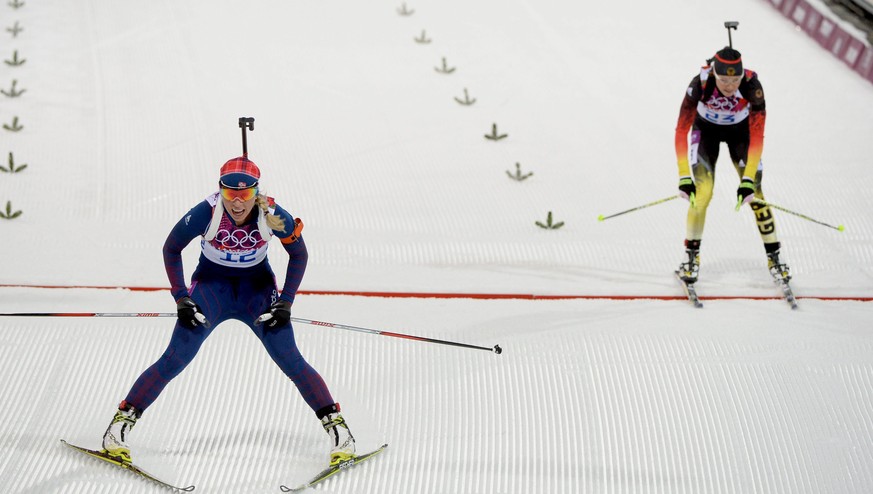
<point x="778" y="269"/>
<point x="116" y="434"/>
<point x="342" y="441"/>
<point x="688" y="270"/>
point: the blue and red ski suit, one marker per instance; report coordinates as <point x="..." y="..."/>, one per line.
<point x="233" y="280"/>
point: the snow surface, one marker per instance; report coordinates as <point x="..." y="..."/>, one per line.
<point x="130" y="108"/>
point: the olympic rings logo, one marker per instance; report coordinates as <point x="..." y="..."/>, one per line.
<point x="723" y="103"/>
<point x="238" y="239"/>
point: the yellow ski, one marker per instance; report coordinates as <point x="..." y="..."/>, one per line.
<point x="101" y="455"/>
<point x="334" y="469"/>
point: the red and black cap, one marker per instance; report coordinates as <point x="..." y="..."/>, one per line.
<point x="239" y="173"/>
<point x="728" y="61"/>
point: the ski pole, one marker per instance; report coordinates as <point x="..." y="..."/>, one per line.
<point x="655" y="203"/>
<point x="780" y="208"/>
<point x="496" y="348"/>
<point x="88" y="314"/>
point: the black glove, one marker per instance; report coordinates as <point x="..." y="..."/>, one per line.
<point x="745" y="192"/>
<point x="189" y="313"/>
<point x="687" y="189"/>
<point x="278" y="315"/>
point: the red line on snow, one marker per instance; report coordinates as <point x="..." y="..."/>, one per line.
<point x="479" y="296"/>
<point x="131" y="288"/>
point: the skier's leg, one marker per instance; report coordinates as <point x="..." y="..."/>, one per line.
<point x="282" y="348"/>
<point x="183" y="346"/>
<point x="181" y="350"/>
<point x="702" y="160"/>
<point x="764" y="219"/>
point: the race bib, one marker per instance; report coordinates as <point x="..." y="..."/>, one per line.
<point x="724" y="110"/>
<point x="235" y="246"/>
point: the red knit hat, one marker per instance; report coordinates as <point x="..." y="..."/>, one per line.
<point x="239" y="173"/>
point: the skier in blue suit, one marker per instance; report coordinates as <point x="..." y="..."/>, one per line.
<point x="233" y="280"/>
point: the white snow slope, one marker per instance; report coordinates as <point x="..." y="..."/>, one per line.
<point x="130" y="108"/>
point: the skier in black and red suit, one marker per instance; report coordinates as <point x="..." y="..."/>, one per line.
<point x="724" y="103"/>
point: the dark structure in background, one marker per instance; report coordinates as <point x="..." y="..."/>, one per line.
<point x="858" y="12"/>
<point x="852" y="46"/>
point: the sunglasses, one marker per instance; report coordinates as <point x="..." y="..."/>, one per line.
<point x="241" y="194"/>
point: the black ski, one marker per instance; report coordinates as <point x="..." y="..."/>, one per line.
<point x="101" y="455"/>
<point x="690" y="291"/>
<point x="334" y="469"/>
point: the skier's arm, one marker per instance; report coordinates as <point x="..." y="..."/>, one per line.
<point x="687" y="113"/>
<point x="191" y="225"/>
<point x="757" y="117"/>
<point x="298" y="256"/>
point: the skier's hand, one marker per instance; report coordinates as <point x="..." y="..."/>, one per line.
<point x="687" y="190"/>
<point x="278" y="315"/>
<point x="745" y="192"/>
<point x="189" y="313"/>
